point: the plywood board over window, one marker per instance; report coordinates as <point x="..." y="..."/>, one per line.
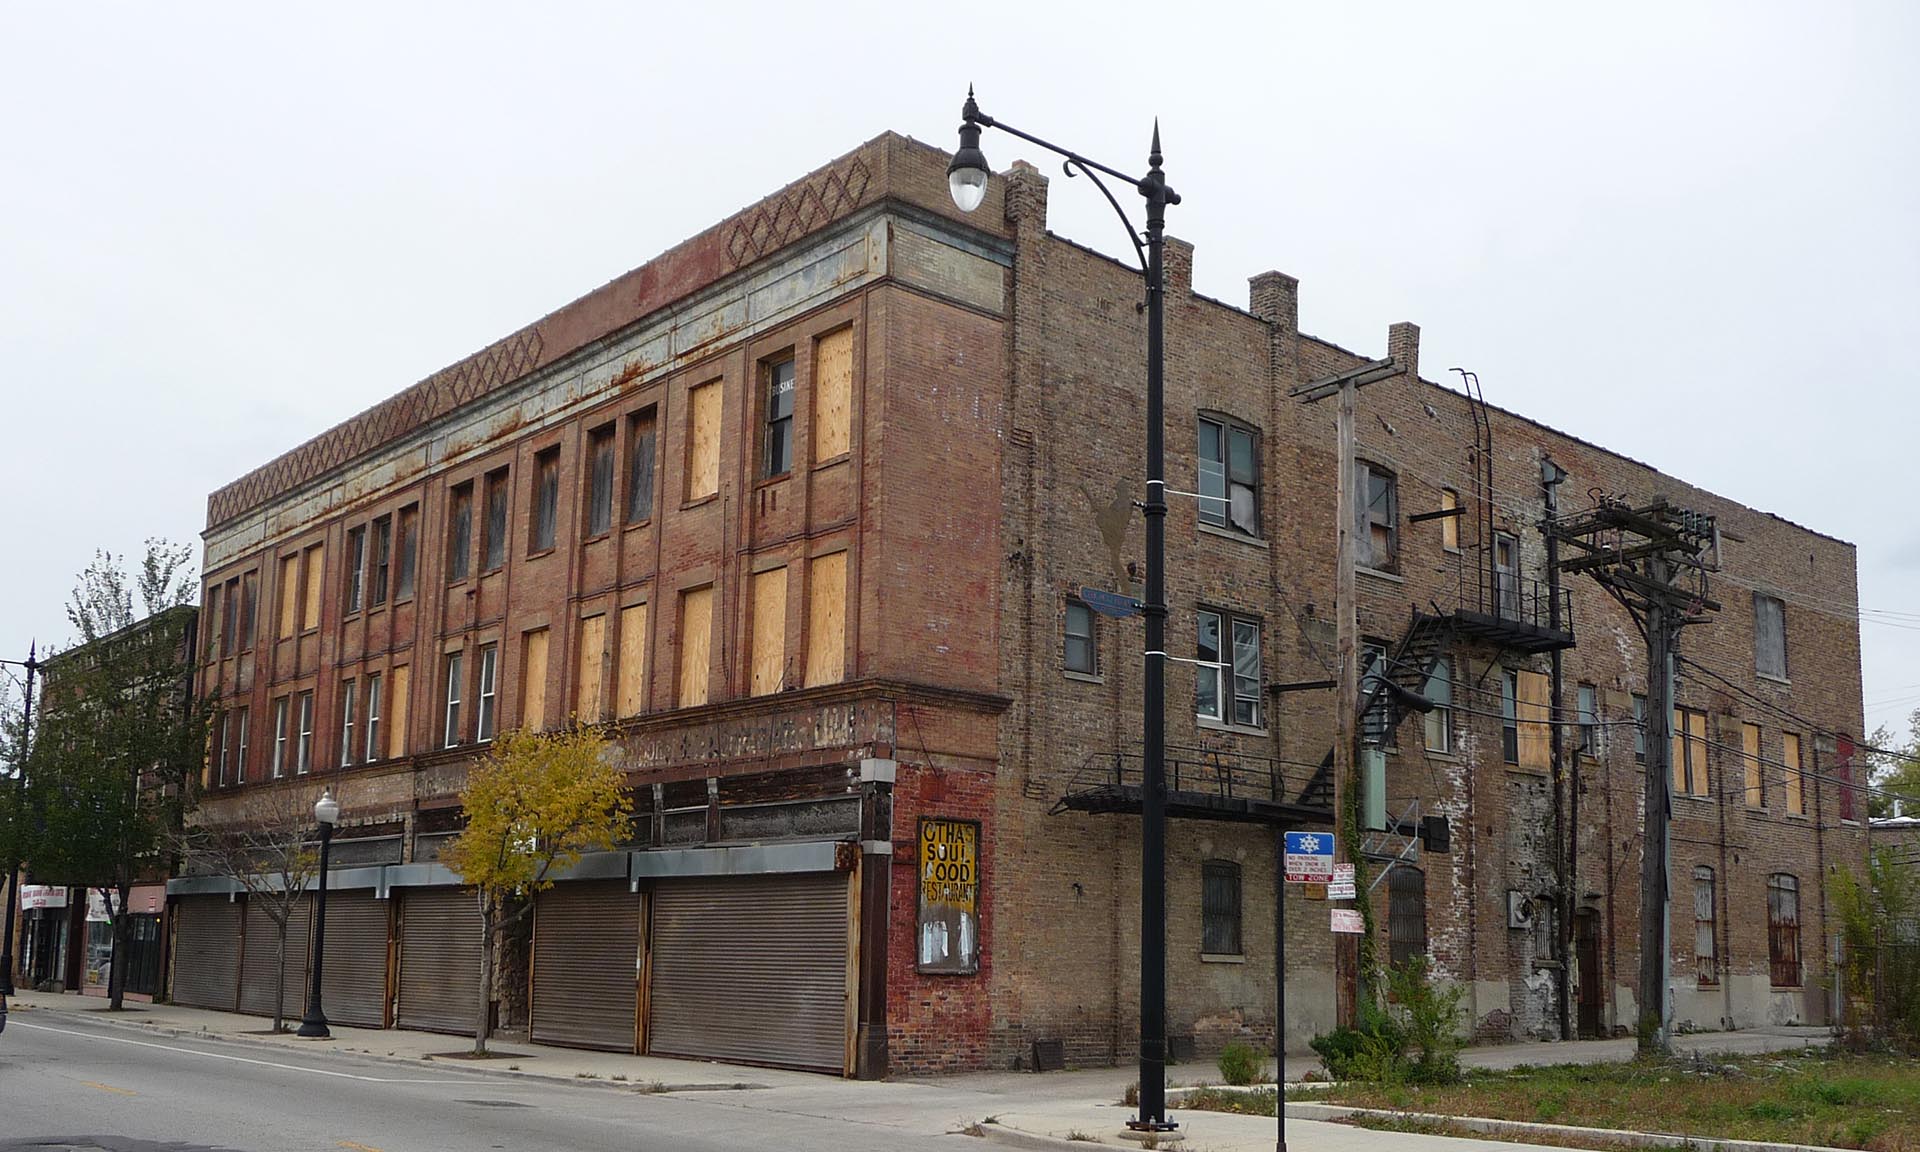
<point x="633" y="659"/>
<point x="832" y="395"/>
<point x="533" y="681"/>
<point x="588" y="704"/>
<point x="769" y="631"/>
<point x="316" y="569"/>
<point x="397" y="725"/>
<point x="827" y="619"/>
<point x="289" y="596"/>
<point x="703" y="441"/>
<point x="1536" y="740"/>
<point x="696" y="645"/>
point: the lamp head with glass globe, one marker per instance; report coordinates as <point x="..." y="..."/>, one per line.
<point x="967" y="175"/>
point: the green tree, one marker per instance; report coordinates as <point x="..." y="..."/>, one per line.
<point x="1896" y="770"/>
<point x="119" y="738"/>
<point x="534" y="804"/>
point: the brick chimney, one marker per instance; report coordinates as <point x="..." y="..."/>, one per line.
<point x="1403" y="344"/>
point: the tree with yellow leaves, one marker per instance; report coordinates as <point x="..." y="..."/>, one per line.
<point x="534" y="804"/>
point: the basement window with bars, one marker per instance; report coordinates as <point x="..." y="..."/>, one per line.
<point x="1227" y="683"/>
<point x="1220" y="908"/>
<point x="1406" y="914"/>
<point x="1229" y="475"/>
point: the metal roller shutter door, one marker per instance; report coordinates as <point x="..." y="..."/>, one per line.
<point x="353" y="981"/>
<point x="752" y="970"/>
<point x="206" y="952"/>
<point x="586" y="944"/>
<point x="439" y="980"/>
<point x="260" y="960"/>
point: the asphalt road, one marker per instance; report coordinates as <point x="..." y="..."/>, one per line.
<point x="73" y="1086"/>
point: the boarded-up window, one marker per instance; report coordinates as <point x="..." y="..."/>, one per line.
<point x="1535" y="734"/>
<point x="1783" y="930"/>
<point x="1450" y="525"/>
<point x="588" y="703"/>
<point x="1796" y="783"/>
<point x="1376" y="509"/>
<point x="827" y="619"/>
<point x="401" y="695"/>
<point x="316" y="569"/>
<point x="1769" y="636"/>
<point x="769" y="631"/>
<point x="1706" y="968"/>
<point x="703" y="441"/>
<point x="633" y="659"/>
<point x="1689" y="752"/>
<point x="1750" y="757"/>
<point x="696" y="646"/>
<point x="832" y="395"/>
<point x="1406" y="914"/>
<point x="289" y="595"/>
<point x="533" y="680"/>
<point x="1220" y="908"/>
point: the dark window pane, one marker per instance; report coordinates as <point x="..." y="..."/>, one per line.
<point x="1406" y="914"/>
<point x="1220" y="908"/>
<point x="1080" y="654"/>
<point x="405" y="546"/>
<point x="459" y="532"/>
<point x="640" y="468"/>
<point x="356" y="566"/>
<point x="495" y="539"/>
<point x="600" y="480"/>
<point x="382" y="558"/>
<point x="546" y="497"/>
<point x="779" y="432"/>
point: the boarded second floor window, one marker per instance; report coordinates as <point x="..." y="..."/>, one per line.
<point x="1769" y="636"/>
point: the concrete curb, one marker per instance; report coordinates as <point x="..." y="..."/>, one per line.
<point x="1302" y="1111"/>
<point x="327" y="1048"/>
<point x="1015" y="1138"/>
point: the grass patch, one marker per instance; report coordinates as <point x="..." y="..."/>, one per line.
<point x="1442" y="1128"/>
<point x="1866" y="1102"/>
<point x="1250" y="1102"/>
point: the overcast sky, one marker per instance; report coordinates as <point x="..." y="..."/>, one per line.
<point x="1688" y="232"/>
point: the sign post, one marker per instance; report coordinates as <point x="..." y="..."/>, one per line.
<point x="1305" y="858"/>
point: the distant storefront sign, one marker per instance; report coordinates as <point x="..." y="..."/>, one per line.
<point x="42" y="896"/>
<point x="949" y="882"/>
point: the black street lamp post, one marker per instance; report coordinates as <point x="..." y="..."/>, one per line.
<point x="967" y="179"/>
<point x="33" y="666"/>
<point x="313" y="1025"/>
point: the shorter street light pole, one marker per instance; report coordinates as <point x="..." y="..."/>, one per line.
<point x="314" y="1024"/>
<point x="967" y="181"/>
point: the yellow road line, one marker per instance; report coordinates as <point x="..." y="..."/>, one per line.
<point x="109" y="1088"/>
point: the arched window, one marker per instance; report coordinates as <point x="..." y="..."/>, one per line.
<point x="1406" y="914"/>
<point x="1783" y="930"/>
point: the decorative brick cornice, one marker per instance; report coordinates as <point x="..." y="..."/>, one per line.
<point x="888" y="166"/>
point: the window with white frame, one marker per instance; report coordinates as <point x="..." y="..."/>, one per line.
<point x="1082" y="653"/>
<point x="1440" y="720"/>
<point x="347" y="702"/>
<point x="356" y="567"/>
<point x="450" y="732"/>
<point x="373" y="717"/>
<point x="303" y="751"/>
<point x="1227" y="678"/>
<point x="489" y="672"/>
<point x="279" y="737"/>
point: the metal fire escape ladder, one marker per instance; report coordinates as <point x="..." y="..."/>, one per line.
<point x="1386" y="697"/>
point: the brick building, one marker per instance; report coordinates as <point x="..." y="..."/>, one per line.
<point x="738" y="506"/>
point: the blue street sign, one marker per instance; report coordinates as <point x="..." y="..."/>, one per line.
<point x="1309" y="857"/>
<point x="1109" y="603"/>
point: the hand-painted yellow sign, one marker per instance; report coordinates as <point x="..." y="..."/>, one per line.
<point x="949" y="877"/>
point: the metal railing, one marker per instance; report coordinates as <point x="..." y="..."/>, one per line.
<point x="1198" y="771"/>
<point x="1506" y="595"/>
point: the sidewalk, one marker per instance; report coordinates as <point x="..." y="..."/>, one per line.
<point x="1021" y="1109"/>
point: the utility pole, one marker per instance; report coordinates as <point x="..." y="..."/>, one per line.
<point x="1654" y="560"/>
<point x="32" y="665"/>
<point x="1346" y="639"/>
<point x="1566" y="806"/>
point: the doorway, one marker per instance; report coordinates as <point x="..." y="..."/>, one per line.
<point x="1586" y="945"/>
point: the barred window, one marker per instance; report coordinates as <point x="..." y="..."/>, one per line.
<point x="1706" y="967"/>
<point x="1220" y="908"/>
<point x="1783" y="930"/>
